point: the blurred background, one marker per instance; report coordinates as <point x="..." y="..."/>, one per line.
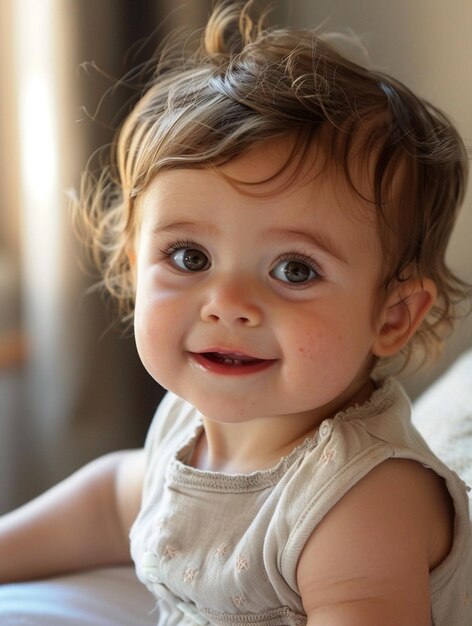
<point x="71" y="386"/>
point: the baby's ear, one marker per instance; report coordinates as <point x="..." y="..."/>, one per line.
<point x="402" y="313"/>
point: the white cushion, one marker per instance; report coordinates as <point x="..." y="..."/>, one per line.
<point x="107" y="597"/>
<point x="443" y="415"/>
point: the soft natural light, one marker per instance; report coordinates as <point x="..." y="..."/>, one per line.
<point x="38" y="144"/>
<point x="41" y="200"/>
<point x="38" y="133"/>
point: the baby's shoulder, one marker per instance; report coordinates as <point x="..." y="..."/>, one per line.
<point x="397" y="493"/>
<point x="380" y="540"/>
<point x="407" y="493"/>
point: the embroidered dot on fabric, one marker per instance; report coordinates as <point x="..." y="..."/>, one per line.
<point x="242" y="563"/>
<point x="223" y="550"/>
<point x="328" y="455"/>
<point x="169" y="552"/>
<point x="238" y="601"/>
<point x="191" y="574"/>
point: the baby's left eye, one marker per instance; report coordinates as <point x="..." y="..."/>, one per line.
<point x="294" y="272"/>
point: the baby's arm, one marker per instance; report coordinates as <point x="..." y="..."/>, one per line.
<point x="81" y="523"/>
<point x="368" y="561"/>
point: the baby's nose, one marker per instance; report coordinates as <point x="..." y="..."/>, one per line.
<point x="232" y="303"/>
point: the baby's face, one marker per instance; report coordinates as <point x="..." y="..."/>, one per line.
<point x="256" y="306"/>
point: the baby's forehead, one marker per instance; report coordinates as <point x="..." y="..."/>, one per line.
<point x="281" y="167"/>
<point x="278" y="173"/>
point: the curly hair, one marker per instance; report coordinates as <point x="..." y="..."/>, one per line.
<point x="215" y="95"/>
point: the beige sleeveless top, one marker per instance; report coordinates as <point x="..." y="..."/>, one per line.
<point x="223" y="549"/>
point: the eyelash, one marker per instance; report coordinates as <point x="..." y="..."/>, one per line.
<point x="301" y="258"/>
<point x="178" y="245"/>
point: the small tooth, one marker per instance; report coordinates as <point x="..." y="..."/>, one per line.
<point x="229" y="361"/>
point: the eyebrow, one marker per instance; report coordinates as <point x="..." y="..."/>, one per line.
<point x="175" y="227"/>
<point x="319" y="239"/>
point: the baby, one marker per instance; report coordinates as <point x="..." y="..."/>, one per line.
<point x="276" y="218"/>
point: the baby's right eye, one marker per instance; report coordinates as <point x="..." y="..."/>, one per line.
<point x="189" y="259"/>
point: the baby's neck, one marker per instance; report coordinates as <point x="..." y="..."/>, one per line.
<point x="259" y="444"/>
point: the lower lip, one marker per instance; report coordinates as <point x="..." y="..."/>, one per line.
<point x="226" y="369"/>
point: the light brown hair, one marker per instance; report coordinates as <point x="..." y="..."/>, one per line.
<point x="212" y="98"/>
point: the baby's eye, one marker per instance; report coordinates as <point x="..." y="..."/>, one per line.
<point x="190" y="259"/>
<point x="294" y="272"/>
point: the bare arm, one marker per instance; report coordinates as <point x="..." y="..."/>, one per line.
<point x="368" y="561"/>
<point x="81" y="523"/>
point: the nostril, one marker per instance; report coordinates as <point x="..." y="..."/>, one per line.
<point x="230" y="313"/>
<point x="238" y="320"/>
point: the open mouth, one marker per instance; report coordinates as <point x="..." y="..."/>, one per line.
<point x="232" y="363"/>
<point x="231" y="358"/>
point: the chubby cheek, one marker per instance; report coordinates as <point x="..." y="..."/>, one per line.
<point x="158" y="321"/>
<point x="315" y="351"/>
<point x="328" y="354"/>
